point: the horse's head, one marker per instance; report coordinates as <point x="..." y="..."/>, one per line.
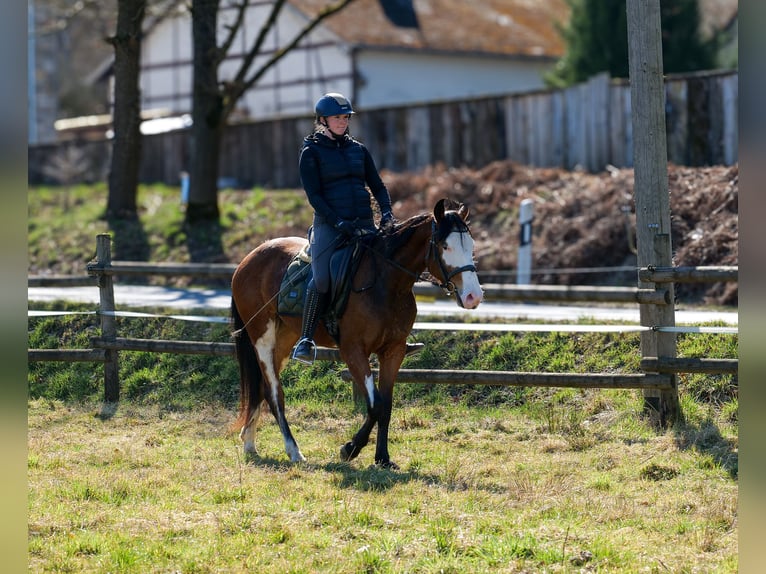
<point x="450" y="255"/>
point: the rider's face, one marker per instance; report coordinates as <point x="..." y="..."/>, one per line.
<point x="338" y="124"/>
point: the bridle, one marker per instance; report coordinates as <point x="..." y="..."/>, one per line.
<point x="433" y="253"/>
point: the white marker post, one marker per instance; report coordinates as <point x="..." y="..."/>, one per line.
<point x="524" y="266"/>
<point x="184" y="187"/>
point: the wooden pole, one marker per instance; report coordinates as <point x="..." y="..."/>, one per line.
<point x="108" y="322"/>
<point x="651" y="188"/>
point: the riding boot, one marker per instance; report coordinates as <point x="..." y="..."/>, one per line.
<point x="305" y="350"/>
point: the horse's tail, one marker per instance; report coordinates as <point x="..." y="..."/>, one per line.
<point x="250" y="375"/>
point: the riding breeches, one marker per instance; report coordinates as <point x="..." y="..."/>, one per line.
<point x="324" y="240"/>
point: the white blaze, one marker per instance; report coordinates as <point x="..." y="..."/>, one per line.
<point x="458" y="252"/>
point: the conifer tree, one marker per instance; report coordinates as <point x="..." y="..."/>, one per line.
<point x="596" y="40"/>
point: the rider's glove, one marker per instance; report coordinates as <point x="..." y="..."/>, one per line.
<point x="347" y="228"/>
<point x="387" y="221"/>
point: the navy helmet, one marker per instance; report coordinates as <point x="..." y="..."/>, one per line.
<point x="333" y="104"/>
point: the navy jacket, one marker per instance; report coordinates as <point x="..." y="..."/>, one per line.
<point x="335" y="174"/>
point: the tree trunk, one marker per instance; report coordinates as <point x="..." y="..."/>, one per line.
<point x="207" y="115"/>
<point x="126" y="147"/>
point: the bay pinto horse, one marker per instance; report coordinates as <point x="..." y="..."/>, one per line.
<point x="378" y="318"/>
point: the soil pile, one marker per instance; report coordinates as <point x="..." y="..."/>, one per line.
<point x="584" y="221"/>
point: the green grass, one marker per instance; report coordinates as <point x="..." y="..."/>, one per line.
<point x="481" y="489"/>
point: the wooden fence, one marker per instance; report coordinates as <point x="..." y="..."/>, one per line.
<point x="659" y="371"/>
<point x="587" y="126"/>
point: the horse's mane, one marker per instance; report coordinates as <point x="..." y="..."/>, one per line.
<point x="403" y="231"/>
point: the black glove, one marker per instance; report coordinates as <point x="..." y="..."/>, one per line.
<point x="387" y="221"/>
<point x="347" y="228"/>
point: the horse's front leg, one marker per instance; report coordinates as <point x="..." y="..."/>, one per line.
<point x="364" y="382"/>
<point x="389" y="367"/>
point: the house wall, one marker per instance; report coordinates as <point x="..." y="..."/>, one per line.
<point x="395" y="78"/>
<point x="371" y="77"/>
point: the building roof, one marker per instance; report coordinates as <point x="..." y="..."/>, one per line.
<point x="522" y="28"/>
<point x="525" y="28"/>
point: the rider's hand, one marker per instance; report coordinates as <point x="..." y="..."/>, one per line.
<point x="347" y="228"/>
<point x="387" y="221"/>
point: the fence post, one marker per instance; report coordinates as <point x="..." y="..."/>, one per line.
<point x="108" y="321"/>
<point x="651" y="188"/>
<point x="524" y="265"/>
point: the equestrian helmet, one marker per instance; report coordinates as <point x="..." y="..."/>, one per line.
<point x="333" y="104"/>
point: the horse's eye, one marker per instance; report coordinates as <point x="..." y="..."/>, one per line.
<point x="445" y="247"/>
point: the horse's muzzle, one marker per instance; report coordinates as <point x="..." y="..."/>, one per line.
<point x="469" y="300"/>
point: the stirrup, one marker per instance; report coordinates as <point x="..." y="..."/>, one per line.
<point x="305" y="358"/>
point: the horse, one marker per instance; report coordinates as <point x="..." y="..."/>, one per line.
<point x="378" y="318"/>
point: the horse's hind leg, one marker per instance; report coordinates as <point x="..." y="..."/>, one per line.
<point x="247" y="434"/>
<point x="267" y="346"/>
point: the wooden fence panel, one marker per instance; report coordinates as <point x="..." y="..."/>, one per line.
<point x="698" y="122"/>
<point x="537" y="128"/>
<point x="515" y="128"/>
<point x="575" y="137"/>
<point x="677" y="121"/>
<point x="620" y="126"/>
<point x="598" y="122"/>
<point x="418" y="138"/>
<point x="729" y="101"/>
<point x="556" y="130"/>
<point x="715" y="133"/>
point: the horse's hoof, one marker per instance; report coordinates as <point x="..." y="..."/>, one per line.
<point x="348" y="452"/>
<point x="387" y="464"/>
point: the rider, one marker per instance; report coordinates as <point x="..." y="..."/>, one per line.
<point x="335" y="169"/>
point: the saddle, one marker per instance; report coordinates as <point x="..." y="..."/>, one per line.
<point x="343" y="265"/>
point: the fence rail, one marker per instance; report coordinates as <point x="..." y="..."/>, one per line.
<point x="492" y="291"/>
<point x="525" y="379"/>
<point x="658" y="370"/>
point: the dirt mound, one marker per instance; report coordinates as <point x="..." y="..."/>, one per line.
<point x="584" y="221"/>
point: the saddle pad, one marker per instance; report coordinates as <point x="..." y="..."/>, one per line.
<point x="292" y="290"/>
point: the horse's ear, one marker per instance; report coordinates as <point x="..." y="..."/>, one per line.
<point x="439" y="210"/>
<point x="464" y="212"/>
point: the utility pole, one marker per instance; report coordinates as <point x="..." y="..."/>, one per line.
<point x="650" y="162"/>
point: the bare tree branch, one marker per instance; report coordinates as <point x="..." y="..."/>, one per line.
<point x="239" y="86"/>
<point x="235" y="27"/>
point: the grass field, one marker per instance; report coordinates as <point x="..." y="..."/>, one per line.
<point x="482" y="489"/>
